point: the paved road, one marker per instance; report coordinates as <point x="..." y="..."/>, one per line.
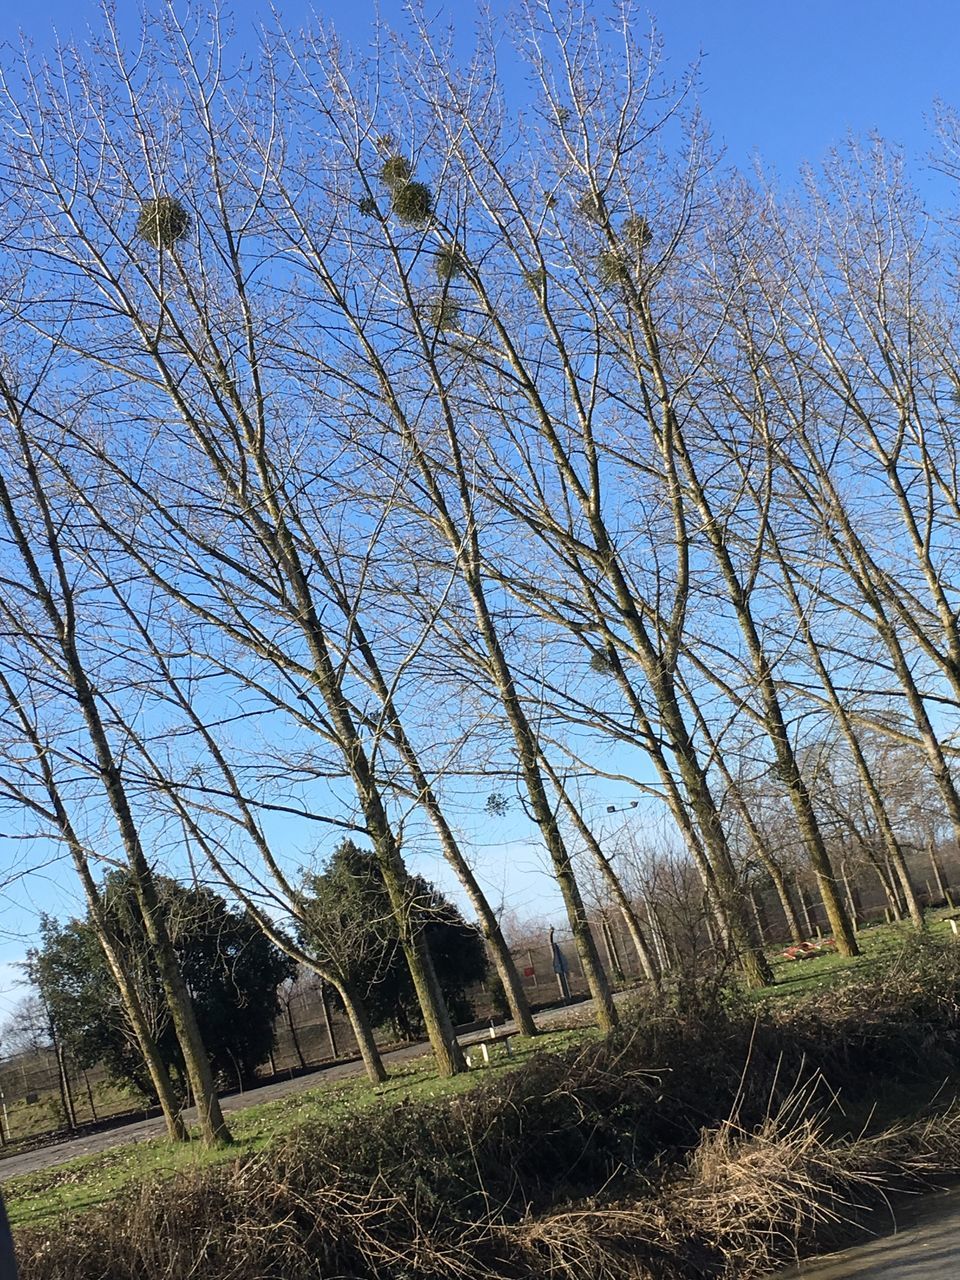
<point x="926" y="1246"/>
<point x="58" y="1152"/>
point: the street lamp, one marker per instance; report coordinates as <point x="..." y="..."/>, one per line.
<point x="653" y="923"/>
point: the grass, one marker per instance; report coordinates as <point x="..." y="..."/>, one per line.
<point x="29" y="1121"/>
<point x="796" y="979"/>
<point x="87" y="1181"/>
<point x="711" y="1137"/>
<point x="264" y="1131"/>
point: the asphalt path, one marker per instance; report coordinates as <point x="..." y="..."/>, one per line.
<point x="56" y="1153"/>
<point x="924" y="1246"/>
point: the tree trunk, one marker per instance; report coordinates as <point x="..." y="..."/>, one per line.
<point x="891" y="844"/>
<point x="497" y="947"/>
<point x="720" y="875"/>
<point x="126" y="985"/>
<point x="804" y="905"/>
<point x="757" y="915"/>
<point x="610" y="946"/>
<point x="63" y="623"/>
<point x="893" y="902"/>
<point x="363" y="1034"/>
<point x="89" y="1091"/>
<point x="328" y="1021"/>
<point x="466" y="547"/>
<point x="528" y="755"/>
<point x="560" y="969"/>
<point x="757" y="843"/>
<point x="773" y="718"/>
<point x="294" y="1037"/>
<point x="786" y="902"/>
<point x="447" y="1051"/>
<point x="213" y="1127"/>
<point x="942" y="889"/>
<point x="659" y="940"/>
<point x="851" y="900"/>
<point x="66" y="1094"/>
<point x="614" y="884"/>
<point x="712" y="939"/>
<point x="860" y="569"/>
<point x="133" y="1007"/>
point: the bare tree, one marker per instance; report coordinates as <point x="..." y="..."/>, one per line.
<point x="41" y="796"/>
<point x="477" y="347"/>
<point x="206" y="377"/>
<point x="33" y="530"/>
<point x="447" y="447"/>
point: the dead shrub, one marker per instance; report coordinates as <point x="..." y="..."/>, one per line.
<point x="704" y="1140"/>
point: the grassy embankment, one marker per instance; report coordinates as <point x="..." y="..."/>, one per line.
<point x="30" y="1123"/>
<point x="705" y="1140"/>
<point x="88" y="1181"/>
<point x="879" y="945"/>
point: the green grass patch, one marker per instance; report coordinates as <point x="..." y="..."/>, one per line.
<point x="879" y="944"/>
<point x="86" y="1181"/>
<point x="28" y="1121"/>
<point x="614" y="1156"/>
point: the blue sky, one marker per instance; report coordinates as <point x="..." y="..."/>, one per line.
<point x="785" y="80"/>
<point x="782" y="81"/>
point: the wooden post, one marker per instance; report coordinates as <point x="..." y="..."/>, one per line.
<point x="805" y="907"/>
<point x="761" y="932"/>
<point x="938" y="874"/>
<point x="851" y="900"/>
<point x="293" y="1034"/>
<point x="659" y="939"/>
<point x="560" y="969"/>
<point x="66" y="1094"/>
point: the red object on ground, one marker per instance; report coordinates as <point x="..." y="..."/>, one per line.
<point x="808" y="950"/>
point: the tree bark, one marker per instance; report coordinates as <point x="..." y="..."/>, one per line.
<point x="362" y="1033"/>
<point x="63" y="623"/>
<point x="328" y="1021"/>
<point x="293" y="1036"/>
